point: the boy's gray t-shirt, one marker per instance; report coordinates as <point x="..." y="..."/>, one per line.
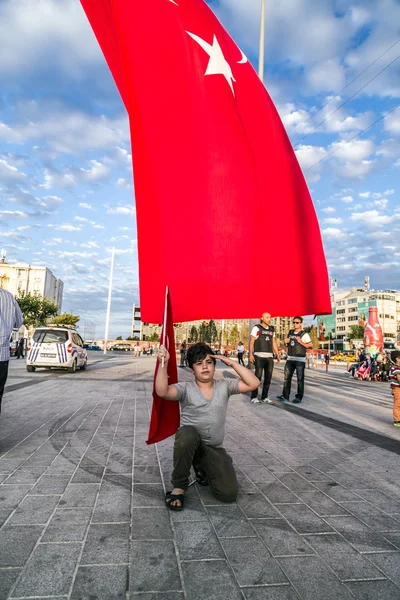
<point x="207" y="416"/>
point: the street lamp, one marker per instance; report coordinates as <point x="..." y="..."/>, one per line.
<point x="262" y="42"/>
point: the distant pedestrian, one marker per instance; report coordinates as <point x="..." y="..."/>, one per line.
<point x="327" y="359"/>
<point x="10" y="318"/>
<point x="183" y="354"/>
<point x="395" y="386"/>
<point x="240" y="353"/>
<point x="20" y="348"/>
<point x="298" y="342"/>
<point x="261" y="352"/>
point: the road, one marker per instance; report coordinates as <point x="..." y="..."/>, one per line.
<point x="81" y="494"/>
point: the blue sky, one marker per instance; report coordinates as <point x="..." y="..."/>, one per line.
<point x="66" y="193"/>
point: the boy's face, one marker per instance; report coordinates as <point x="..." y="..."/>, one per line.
<point x="397" y="362"/>
<point x="204" y="370"/>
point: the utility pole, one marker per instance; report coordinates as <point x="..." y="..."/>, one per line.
<point x="262" y="42"/>
<point x="109" y="301"/>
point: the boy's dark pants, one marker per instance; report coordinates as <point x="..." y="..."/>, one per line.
<point x="215" y="462"/>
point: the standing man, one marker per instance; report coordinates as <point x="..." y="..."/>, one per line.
<point x="10" y="318"/>
<point x="240" y="353"/>
<point x="262" y="346"/>
<point x="327" y="359"/>
<point x="183" y="354"/>
<point x="20" y="347"/>
<point x="298" y="342"/>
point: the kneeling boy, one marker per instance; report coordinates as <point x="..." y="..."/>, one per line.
<point x="204" y="404"/>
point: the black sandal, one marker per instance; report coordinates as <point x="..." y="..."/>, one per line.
<point x="201" y="476"/>
<point x="170" y="497"/>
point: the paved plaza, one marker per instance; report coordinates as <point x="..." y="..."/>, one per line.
<point x="82" y="513"/>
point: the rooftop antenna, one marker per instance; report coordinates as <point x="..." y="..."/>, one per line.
<point x="3" y="256"/>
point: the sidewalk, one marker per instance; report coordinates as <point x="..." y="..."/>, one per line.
<point x="82" y="512"/>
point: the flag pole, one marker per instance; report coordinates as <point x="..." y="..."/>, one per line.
<point x="109" y="301"/>
<point x="262" y="42"/>
<point x="165" y="322"/>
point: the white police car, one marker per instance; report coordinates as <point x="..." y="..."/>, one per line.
<point x="58" y="347"/>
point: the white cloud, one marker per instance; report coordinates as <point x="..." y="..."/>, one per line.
<point x="73" y="176"/>
<point x="85" y="205"/>
<point x="329" y="209"/>
<point x="392" y="123"/>
<point x="333" y="221"/>
<point x="68" y="227"/>
<point x="347" y="199"/>
<point x="364" y="194"/>
<point x="332" y="233"/>
<point x="372" y="218"/>
<point x="53" y="200"/>
<point x="9" y="173"/>
<point x="121" y="210"/>
<point x="354" y="151"/>
<point x="326" y="75"/>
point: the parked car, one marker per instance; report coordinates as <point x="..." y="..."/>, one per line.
<point x="56" y="347"/>
<point x="93" y="347"/>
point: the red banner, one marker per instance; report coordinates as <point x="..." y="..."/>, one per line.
<point x="233" y="227"/>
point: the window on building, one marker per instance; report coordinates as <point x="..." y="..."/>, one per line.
<point x="352" y="301"/>
<point x="341" y="311"/>
<point x="353" y="310"/>
<point x="341" y="328"/>
<point x="353" y="318"/>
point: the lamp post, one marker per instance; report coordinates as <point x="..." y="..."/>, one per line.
<point x="262" y="42"/>
<point x="109" y="301"/>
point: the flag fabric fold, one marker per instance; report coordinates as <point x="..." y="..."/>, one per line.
<point x="165" y="415"/>
<point x="217" y="183"/>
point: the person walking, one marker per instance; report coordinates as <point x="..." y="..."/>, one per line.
<point x="395" y="386"/>
<point x="20" y="348"/>
<point x="298" y="342"/>
<point x="327" y="359"/>
<point x="10" y="318"/>
<point x="262" y="346"/>
<point x="183" y="354"/>
<point x="240" y="353"/>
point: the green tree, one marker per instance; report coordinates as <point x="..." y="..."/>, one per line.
<point x="119" y="337"/>
<point x="357" y="332"/>
<point x="313" y="333"/>
<point x="204" y="332"/>
<point x="234" y="336"/>
<point x="65" y="319"/>
<point x="154" y="337"/>
<point x="130" y="338"/>
<point x="245" y="333"/>
<point x="35" y="309"/>
<point x="212" y="331"/>
<point x="194" y="334"/>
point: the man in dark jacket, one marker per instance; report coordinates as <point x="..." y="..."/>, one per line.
<point x="298" y="342"/>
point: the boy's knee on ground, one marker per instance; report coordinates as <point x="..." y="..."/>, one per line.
<point x="226" y="493"/>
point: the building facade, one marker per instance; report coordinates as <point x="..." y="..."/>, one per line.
<point x="26" y="278"/>
<point x="351" y="307"/>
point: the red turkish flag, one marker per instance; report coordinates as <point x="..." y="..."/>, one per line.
<point x="165" y="415"/>
<point x="224" y="215"/>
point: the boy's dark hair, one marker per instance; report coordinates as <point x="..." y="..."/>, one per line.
<point x="298" y="319"/>
<point x="197" y="353"/>
<point x="395" y="354"/>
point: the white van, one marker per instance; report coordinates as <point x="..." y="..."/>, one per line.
<point x="60" y="347"/>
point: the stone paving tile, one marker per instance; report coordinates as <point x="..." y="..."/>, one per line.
<point x="149" y="494"/>
<point x="256" y="506"/>
<point x="346" y="562"/>
<point x="252" y="563"/>
<point x="210" y="579"/>
<point x="296" y="483"/>
<point x="303" y="519"/>
<point x="394" y="538"/>
<point x="79" y="495"/>
<point x="106" y="544"/>
<point x="147" y="474"/>
<point x="280" y="538"/>
<point x="312" y="578"/>
<point x="360" y="535"/>
<point x="197" y="541"/>
<point x="277" y="493"/>
<point x="34" y="510"/>
<point x="194" y="509"/>
<point x="151" y="524"/>
<point x="381" y="500"/>
<point x="156" y="596"/>
<point x="376" y="519"/>
<point x="49" y="572"/>
<point x="389" y="563"/>
<point x="8" y="577"/>
<point x="88" y="475"/>
<point x="276" y="592"/>
<point x="322" y="504"/>
<point x="258" y="473"/>
<point x="67" y="525"/>
<point x="11" y="495"/>
<point x="101" y="583"/>
<point x="25" y="475"/>
<point x="153" y="567"/>
<point x="17" y="543"/>
<point x="50" y="484"/>
<point x="374" y="590"/>
<point x="230" y="522"/>
<point x="336" y="491"/>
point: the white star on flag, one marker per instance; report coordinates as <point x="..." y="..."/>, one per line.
<point x="217" y="65"/>
<point x="173" y="2"/>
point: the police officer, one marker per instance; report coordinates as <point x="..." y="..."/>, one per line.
<point x="262" y="346"/>
<point x="298" y="342"/>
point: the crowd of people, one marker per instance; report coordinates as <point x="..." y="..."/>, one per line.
<point x="369" y="368"/>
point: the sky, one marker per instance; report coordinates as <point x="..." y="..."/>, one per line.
<point x="66" y="191"/>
